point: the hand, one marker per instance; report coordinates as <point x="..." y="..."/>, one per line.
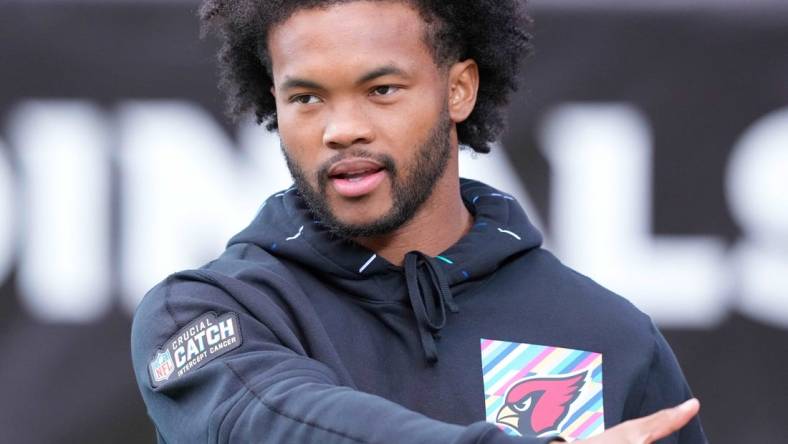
<point x="650" y="428"/>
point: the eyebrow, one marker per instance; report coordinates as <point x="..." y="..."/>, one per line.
<point x="380" y="72"/>
<point x="296" y="82"/>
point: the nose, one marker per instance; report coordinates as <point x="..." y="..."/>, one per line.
<point x="347" y="126"/>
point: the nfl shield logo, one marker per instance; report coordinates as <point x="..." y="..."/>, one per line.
<point x="162" y="366"/>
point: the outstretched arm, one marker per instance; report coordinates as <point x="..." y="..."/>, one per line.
<point x="267" y="389"/>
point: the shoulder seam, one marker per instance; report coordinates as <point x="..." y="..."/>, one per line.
<point x="280" y="413"/>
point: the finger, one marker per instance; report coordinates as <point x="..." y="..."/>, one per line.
<point x="665" y="422"/>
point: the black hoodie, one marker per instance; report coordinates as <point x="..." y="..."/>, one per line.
<point x="294" y="335"/>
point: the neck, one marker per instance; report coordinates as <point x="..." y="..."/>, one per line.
<point x="440" y="222"/>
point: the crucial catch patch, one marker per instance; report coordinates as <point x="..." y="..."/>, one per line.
<point x="198" y="343"/>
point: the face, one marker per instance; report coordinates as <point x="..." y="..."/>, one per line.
<point x="362" y="113"/>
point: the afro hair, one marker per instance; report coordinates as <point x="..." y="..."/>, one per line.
<point x="491" y="32"/>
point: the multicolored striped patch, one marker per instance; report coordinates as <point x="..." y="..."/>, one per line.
<point x="541" y="390"/>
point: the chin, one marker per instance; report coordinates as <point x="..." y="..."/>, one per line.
<point x="361" y="211"/>
<point x="358" y="221"/>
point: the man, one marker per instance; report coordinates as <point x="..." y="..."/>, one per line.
<point x="382" y="299"/>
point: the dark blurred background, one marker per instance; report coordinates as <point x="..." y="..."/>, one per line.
<point x="649" y="140"/>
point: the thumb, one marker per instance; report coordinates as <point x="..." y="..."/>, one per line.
<point x="665" y="422"/>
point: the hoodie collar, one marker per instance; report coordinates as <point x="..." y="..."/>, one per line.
<point x="285" y="228"/>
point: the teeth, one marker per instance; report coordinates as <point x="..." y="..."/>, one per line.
<point x="356" y="175"/>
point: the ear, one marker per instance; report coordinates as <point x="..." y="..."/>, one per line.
<point x="463" y="88"/>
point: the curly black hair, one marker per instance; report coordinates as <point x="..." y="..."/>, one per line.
<point x="491" y="32"/>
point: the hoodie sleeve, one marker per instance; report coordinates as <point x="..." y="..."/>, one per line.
<point x="667" y="387"/>
<point x="264" y="388"/>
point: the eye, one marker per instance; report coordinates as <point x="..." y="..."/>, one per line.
<point x="305" y="99"/>
<point x="523" y="405"/>
<point x="385" y="90"/>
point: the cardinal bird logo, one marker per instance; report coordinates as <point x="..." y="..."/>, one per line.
<point x="535" y="406"/>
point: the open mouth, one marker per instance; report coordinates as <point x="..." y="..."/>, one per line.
<point x="356" y="177"/>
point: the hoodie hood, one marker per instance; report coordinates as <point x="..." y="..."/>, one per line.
<point x="286" y="229"/>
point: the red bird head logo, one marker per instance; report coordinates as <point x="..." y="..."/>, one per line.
<point x="538" y="405"/>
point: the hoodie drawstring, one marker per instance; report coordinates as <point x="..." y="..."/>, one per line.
<point x="422" y="289"/>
